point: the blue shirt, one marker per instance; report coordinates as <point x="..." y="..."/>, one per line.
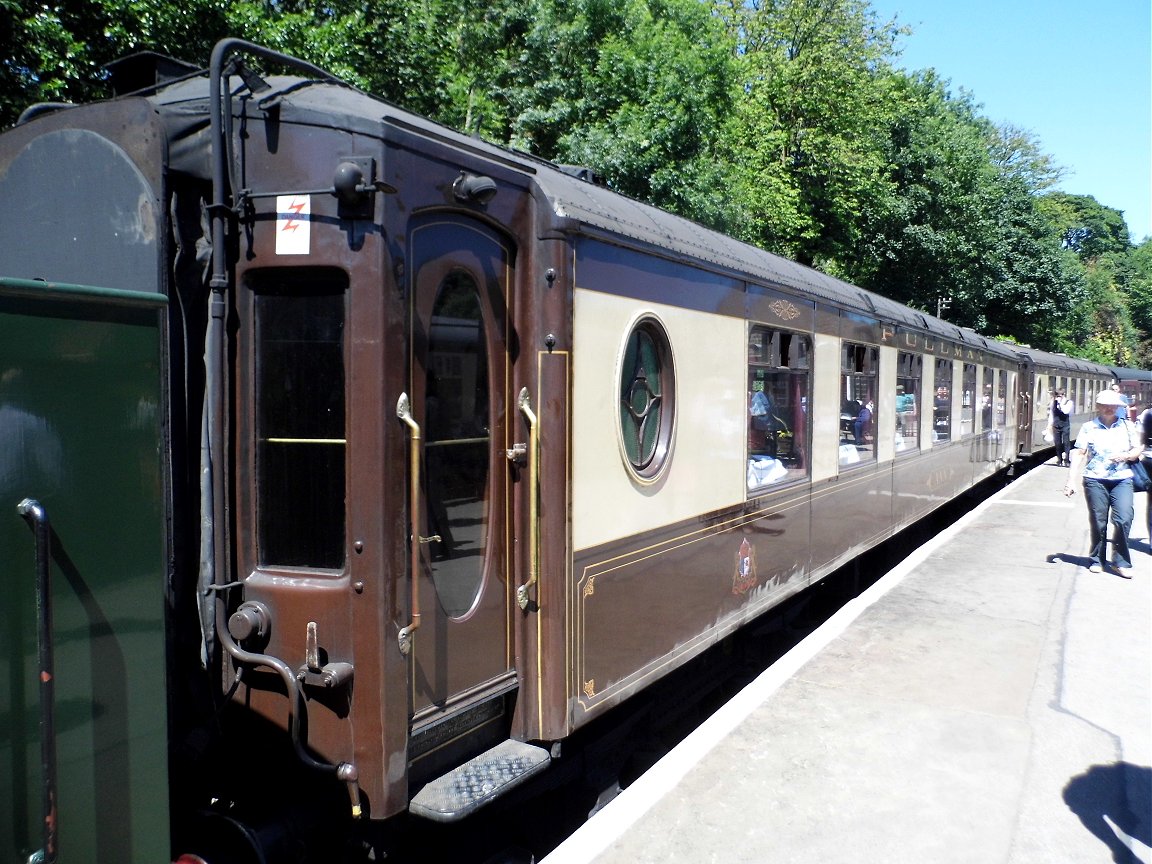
<point x="1103" y="442"/>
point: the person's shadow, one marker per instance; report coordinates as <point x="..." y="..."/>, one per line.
<point x="1111" y="797"/>
<point x="1068" y="558"/>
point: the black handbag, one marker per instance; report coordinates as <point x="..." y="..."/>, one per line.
<point x="1141" y="481"/>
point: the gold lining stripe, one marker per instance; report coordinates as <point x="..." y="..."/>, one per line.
<point x="306" y="440"/>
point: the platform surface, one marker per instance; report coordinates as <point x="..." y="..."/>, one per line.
<point x="989" y="700"/>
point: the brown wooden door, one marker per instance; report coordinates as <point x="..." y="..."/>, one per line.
<point x="460" y="380"/>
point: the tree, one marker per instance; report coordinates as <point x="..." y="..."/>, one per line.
<point x="1140" y="301"/>
<point x="637" y="90"/>
<point x="809" y="126"/>
<point x="56" y="52"/>
<point x="1085" y="226"/>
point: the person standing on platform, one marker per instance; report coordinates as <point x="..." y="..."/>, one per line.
<point x="1105" y="446"/>
<point x="1060" y="412"/>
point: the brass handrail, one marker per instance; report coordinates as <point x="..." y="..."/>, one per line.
<point x="404" y="412"/>
<point x="524" y="402"/>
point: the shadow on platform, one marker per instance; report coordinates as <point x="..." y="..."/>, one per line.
<point x="1114" y="798"/>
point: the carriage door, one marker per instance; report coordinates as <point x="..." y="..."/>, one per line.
<point x="459" y="319"/>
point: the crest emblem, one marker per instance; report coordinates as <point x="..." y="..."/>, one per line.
<point x="744" y="578"/>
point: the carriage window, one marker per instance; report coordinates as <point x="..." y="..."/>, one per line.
<point x="299" y="417"/>
<point x="778" y="382"/>
<point x="858" y="366"/>
<point x="968" y="400"/>
<point x="986" y="417"/>
<point x="909" y="373"/>
<point x="647" y="398"/>
<point x="942" y="402"/>
<point x="1002" y="401"/>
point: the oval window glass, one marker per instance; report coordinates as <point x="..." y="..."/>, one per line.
<point x="646" y="398"/>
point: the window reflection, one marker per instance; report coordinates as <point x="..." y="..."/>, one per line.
<point x="456" y="449"/>
<point x="942" y="402"/>
<point x="987" y="416"/>
<point x="859" y="365"/>
<point x="910" y="370"/>
<point x="778" y="392"/>
<point x="968" y="399"/>
<point x="646" y="389"/>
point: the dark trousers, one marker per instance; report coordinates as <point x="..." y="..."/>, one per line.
<point x="1102" y="496"/>
<point x="1060" y="432"/>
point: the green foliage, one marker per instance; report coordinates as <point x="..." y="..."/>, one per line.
<point x="1140" y="300"/>
<point x="782" y="122"/>
<point x="810" y="123"/>
<point x="1086" y="227"/>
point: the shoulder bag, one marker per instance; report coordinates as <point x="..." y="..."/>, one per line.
<point x="1141" y="482"/>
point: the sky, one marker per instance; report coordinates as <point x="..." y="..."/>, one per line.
<point x="1077" y="75"/>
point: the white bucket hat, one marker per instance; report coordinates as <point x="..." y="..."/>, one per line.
<point x="1111" y="397"/>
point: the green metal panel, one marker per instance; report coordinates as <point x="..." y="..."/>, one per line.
<point x="81" y="419"/>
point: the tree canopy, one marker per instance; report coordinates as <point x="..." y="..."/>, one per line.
<point x="785" y="123"/>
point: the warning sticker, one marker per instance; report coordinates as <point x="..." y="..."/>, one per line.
<point x="293" y="224"/>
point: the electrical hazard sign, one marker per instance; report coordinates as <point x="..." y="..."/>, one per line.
<point x="293" y="224"/>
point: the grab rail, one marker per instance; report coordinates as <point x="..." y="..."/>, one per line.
<point x="404" y="412"/>
<point x="524" y="402"/>
<point x="36" y="516"/>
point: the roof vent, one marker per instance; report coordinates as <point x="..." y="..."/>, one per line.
<point x="583" y="172"/>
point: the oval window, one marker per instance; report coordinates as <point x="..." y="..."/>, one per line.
<point x="647" y="398"/>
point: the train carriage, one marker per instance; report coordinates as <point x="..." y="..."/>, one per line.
<point x="1044" y="373"/>
<point x="454" y="449"/>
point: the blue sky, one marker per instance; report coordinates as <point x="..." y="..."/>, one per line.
<point x="1077" y="75"/>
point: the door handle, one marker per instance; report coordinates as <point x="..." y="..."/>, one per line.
<point x="524" y="403"/>
<point x="404" y="412"/>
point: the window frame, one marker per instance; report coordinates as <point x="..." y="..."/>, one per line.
<point x="648" y="469"/>
<point x="859" y="363"/>
<point x="267" y="551"/>
<point x="786" y="363"/>
<point x="946" y="365"/>
<point x="913" y="371"/>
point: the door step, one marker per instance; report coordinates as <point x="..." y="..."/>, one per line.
<point x="466" y="789"/>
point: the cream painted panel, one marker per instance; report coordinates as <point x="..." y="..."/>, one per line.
<point x="957" y="397"/>
<point x="927" y="397"/>
<point x="826" y="391"/>
<point x="886" y="406"/>
<point x="706" y="469"/>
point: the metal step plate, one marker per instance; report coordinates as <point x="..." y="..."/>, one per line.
<point x="478" y="781"/>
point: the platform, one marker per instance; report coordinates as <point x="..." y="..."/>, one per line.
<point x="989" y="700"/>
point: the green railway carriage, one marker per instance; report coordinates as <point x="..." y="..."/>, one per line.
<point x="83" y="538"/>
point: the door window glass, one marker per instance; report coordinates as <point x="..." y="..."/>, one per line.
<point x="456" y="446"/>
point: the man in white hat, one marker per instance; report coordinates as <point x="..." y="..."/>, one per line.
<point x="1104" y="449"/>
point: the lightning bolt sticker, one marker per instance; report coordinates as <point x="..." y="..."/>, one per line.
<point x="293" y="224"/>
